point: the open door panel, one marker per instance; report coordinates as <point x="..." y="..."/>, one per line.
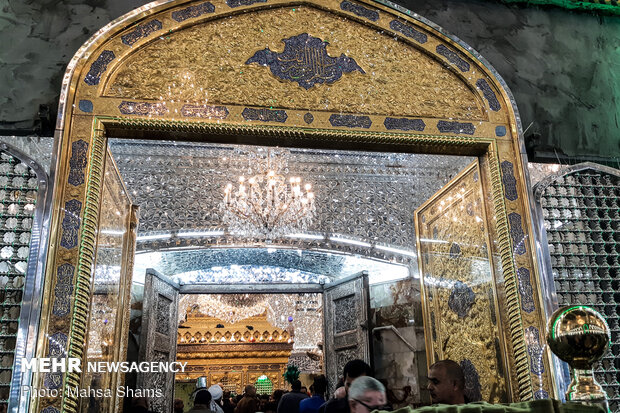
<point x="347" y="331"/>
<point x="111" y="284"/>
<point x="158" y="339"/>
<point x="458" y="285"/>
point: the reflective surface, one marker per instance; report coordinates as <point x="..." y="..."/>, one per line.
<point x="364" y="222"/>
<point x="263" y="265"/>
<point x="301" y="315"/>
<point x="579" y="336"/>
<point x="363" y="196"/>
<point x="579" y="207"/>
<point x="107" y="339"/>
<point x="22" y="197"/>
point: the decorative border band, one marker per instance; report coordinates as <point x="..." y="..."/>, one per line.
<point x="192" y="12"/>
<point x="359" y="10"/>
<point x="141" y="31"/>
<point x="98" y="67"/>
<point x="409" y="31"/>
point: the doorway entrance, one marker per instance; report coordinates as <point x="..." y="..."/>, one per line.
<point x="363" y="223"/>
<point x="238" y="337"/>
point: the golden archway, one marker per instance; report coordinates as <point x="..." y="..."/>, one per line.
<point x="315" y="73"/>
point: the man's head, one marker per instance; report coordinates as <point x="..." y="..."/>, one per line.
<point x="354" y="369"/>
<point x="216" y="392"/>
<point x="250" y="390"/>
<point x="319" y="387"/>
<point x="202" y="397"/>
<point x="140" y="402"/>
<point x="178" y="406"/>
<point x="366" y="394"/>
<point x="446" y="383"/>
<point x="296" y="385"/>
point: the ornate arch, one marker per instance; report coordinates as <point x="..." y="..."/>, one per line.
<point x="319" y="73"/>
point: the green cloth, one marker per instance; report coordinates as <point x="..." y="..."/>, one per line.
<point x="536" y="406"/>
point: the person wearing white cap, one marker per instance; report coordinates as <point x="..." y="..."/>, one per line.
<point x="216" y="396"/>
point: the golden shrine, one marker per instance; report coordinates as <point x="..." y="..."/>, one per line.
<point x="233" y="355"/>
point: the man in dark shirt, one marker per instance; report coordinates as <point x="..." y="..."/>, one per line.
<point x="249" y="402"/>
<point x="352" y="370"/>
<point x="202" y="401"/>
<point x="313" y="404"/>
<point x="289" y="403"/>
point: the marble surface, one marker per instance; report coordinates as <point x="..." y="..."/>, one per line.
<point x="396" y="364"/>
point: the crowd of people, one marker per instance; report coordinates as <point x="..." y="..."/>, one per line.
<point x="357" y="392"/>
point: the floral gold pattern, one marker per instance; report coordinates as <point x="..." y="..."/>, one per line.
<point x="148" y="73"/>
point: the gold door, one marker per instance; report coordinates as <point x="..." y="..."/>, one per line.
<point x="461" y="321"/>
<point x="109" y="313"/>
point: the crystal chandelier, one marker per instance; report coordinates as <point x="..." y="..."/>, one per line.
<point x="268" y="204"/>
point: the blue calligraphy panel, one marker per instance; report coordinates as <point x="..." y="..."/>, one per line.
<point x="305" y="61"/>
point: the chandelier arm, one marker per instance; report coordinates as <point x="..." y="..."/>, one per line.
<point x="259" y="215"/>
<point x="239" y="213"/>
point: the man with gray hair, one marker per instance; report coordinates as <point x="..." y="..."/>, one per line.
<point x="366" y="394"/>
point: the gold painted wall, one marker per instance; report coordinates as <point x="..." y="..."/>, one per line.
<point x="207" y="63"/>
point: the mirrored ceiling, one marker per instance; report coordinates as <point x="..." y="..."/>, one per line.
<point x="363" y="219"/>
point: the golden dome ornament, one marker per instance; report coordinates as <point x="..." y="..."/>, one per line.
<point x="579" y="335"/>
